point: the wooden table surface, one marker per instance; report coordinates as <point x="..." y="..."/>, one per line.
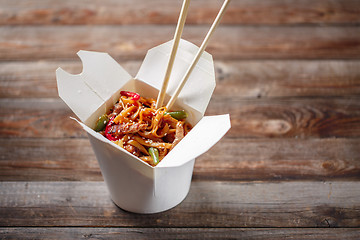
<point x="288" y="72"/>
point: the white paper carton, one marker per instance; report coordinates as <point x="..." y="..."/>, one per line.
<point x="133" y="184"/>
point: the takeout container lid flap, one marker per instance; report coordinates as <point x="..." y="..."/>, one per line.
<point x="199" y="140"/>
<point x="84" y="93"/>
<point x="102" y="77"/>
<point x="199" y="87"/>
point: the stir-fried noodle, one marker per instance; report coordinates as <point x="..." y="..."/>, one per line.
<point x="137" y="126"/>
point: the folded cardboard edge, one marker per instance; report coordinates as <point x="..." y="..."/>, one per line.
<point x="84" y="93"/>
<point x="198" y="89"/>
<point x="105" y="140"/>
<point x="207" y="132"/>
<point x="102" y="76"/>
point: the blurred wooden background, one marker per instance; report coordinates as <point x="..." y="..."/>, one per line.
<point x="288" y="72"/>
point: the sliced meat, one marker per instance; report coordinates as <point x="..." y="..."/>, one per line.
<point x="117" y="109"/>
<point x="126" y="128"/>
<point x="179" y="134"/>
<point x="133" y="150"/>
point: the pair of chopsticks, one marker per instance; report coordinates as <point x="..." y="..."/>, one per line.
<point x="177" y="36"/>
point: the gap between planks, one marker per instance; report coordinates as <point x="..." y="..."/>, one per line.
<point x="177" y="233"/>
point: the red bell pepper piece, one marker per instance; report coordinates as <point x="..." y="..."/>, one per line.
<point x="107" y="128"/>
<point x="134" y="96"/>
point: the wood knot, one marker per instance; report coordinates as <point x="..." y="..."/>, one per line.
<point x="328" y="165"/>
<point x="329" y="222"/>
<point x="276" y="127"/>
<point x="87" y="236"/>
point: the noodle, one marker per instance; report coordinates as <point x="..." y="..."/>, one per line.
<point x="137" y="126"/>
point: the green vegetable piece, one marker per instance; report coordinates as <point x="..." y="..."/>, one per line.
<point x="154" y="153"/>
<point x="101" y="123"/>
<point x="178" y="115"/>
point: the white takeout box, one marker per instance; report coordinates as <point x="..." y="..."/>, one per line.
<point x="133" y="184"/>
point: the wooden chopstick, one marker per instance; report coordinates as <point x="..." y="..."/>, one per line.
<point x="198" y="55"/>
<point x="177" y="36"/>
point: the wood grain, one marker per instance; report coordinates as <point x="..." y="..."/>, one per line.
<point x="122" y="12"/>
<point x="280" y="118"/>
<point x="48" y="160"/>
<point x="216" y="204"/>
<point x="288" y="72"/>
<point x="36" y="79"/>
<point x="47" y="118"/>
<point x="291" y="78"/>
<point x="247" y="78"/>
<point x="132" y="42"/>
<point x="178" y="233"/>
<point x="241" y="159"/>
<point x="299" y="118"/>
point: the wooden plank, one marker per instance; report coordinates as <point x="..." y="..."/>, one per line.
<point x="282" y="118"/>
<point x="37" y="79"/>
<point x="48" y="160"/>
<point x="241" y="159"/>
<point x="132" y="42"/>
<point x="279" y="78"/>
<point x="17" y="12"/>
<point x="216" y="204"/>
<point x="34" y="118"/>
<point x="280" y="159"/>
<point x="251" y="79"/>
<point x="179" y="233"/>
<point x="299" y="118"/>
